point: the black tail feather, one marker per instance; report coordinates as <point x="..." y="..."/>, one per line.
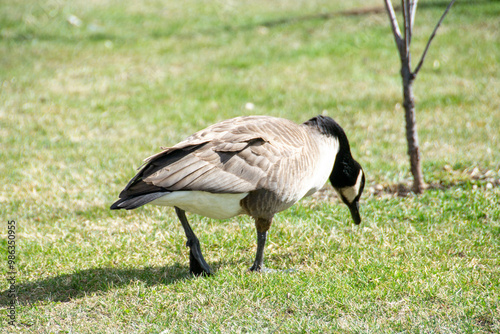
<point x="133" y="202"/>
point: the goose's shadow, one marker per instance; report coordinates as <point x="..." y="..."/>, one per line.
<point x="65" y="287"/>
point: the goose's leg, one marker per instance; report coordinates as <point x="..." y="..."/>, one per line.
<point x="197" y="264"/>
<point x="262" y="226"/>
<point x="258" y="264"/>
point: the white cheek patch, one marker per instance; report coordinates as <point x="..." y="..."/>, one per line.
<point x="350" y="193"/>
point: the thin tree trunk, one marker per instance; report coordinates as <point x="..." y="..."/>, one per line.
<point x="411" y="127"/>
<point x="403" y="41"/>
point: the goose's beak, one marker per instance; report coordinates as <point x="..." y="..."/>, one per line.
<point x="354" y="208"/>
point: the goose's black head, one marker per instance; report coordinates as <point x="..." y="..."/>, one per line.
<point x="347" y="177"/>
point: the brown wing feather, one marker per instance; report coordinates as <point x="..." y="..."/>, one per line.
<point x="234" y="156"/>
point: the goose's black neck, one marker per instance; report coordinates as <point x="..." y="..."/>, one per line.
<point x="345" y="170"/>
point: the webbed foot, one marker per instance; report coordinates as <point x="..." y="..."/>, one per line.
<point x="197" y="264"/>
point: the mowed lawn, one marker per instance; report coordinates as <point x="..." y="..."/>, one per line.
<point x="90" y="88"/>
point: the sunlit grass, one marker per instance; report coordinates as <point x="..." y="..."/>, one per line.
<point x="82" y="105"/>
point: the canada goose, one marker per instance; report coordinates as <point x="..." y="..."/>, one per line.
<point x="254" y="165"/>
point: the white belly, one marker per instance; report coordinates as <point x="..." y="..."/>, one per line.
<point x="217" y="206"/>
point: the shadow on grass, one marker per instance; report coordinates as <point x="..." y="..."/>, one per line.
<point x="361" y="11"/>
<point x="404" y="189"/>
<point x="65" y="287"/>
<point x="170" y="31"/>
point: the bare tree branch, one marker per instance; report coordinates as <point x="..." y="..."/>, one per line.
<point x="405" y="6"/>
<point x="413" y="10"/>
<point x="406" y="25"/>
<point x="424" y="54"/>
<point x="395" y="27"/>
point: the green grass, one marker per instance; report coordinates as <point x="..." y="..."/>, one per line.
<point x="81" y="106"/>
